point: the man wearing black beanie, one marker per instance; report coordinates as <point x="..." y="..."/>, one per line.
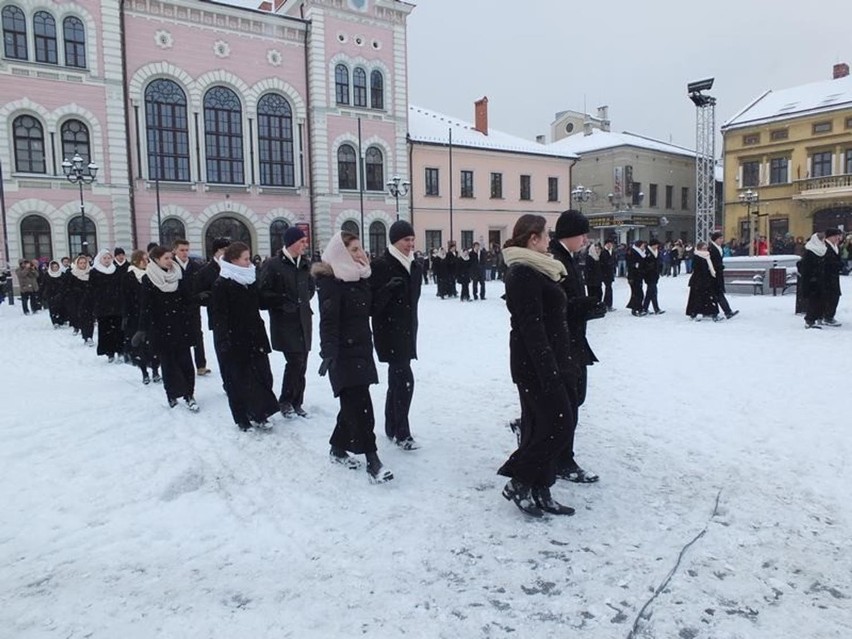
<point x="395" y="282"/>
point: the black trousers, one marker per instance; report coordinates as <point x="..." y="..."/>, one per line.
<point x="547" y="432"/>
<point x="293" y="385"/>
<point x="595" y="292"/>
<point x="110" y="337"/>
<point x="637" y="295"/>
<point x="465" y="290"/>
<point x="650" y="296"/>
<point x="723" y="301"/>
<point x="247" y="379"/>
<point x="607" y="298"/>
<point x="178" y="372"/>
<point x="198" y="335"/>
<point x="355" y="421"/>
<point x="480" y="285"/>
<point x="830" y="305"/>
<point x="814" y="308"/>
<point x="398" y="400"/>
<point x="28" y="300"/>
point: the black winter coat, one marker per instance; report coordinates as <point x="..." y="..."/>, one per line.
<point x="812" y="271"/>
<point x="345" y="335"/>
<point x="832" y="268"/>
<point x="635" y="265"/>
<point x="236" y="322"/>
<point x="131" y="292"/>
<point x="578" y="305"/>
<point x="651" y="268"/>
<point x="594" y="271"/>
<point x="167" y="317"/>
<point x="394" y="308"/>
<point x="203" y="286"/>
<point x="607" y="262"/>
<point x="79" y="300"/>
<point x="539" y="341"/>
<point x="54" y="291"/>
<point x="286" y="290"/>
<point x="718" y="266"/>
<point x="106" y="293"/>
<point x="702" y="289"/>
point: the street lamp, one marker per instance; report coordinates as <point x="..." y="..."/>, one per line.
<point x="748" y="198"/>
<point x="581" y="194"/>
<point x="73" y="169"/>
<point x="398" y="187"/>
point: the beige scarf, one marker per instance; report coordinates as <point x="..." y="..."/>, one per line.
<point x="341" y="262"/>
<point x="138" y="272"/>
<point x="706" y="256"/>
<point x="541" y="262"/>
<point x="401" y="257"/>
<point x="166" y="281"/>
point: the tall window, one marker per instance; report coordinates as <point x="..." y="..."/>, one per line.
<point x="75" y="42"/>
<point x="378" y="238"/>
<point x="432" y="182"/>
<point x="684" y="198"/>
<point x="44" y="30"/>
<point x="75" y="139"/>
<point x="347" y="168"/>
<point x="223" y="135"/>
<point x="466" y="239"/>
<point x="275" y="141"/>
<point x="29" y="145"/>
<point x="341" y="84"/>
<point x="821" y="164"/>
<point x="652" y="195"/>
<point x="14" y="33"/>
<point x="553" y="189"/>
<point x="168" y="131"/>
<point x="526" y="187"/>
<point x="375" y="170"/>
<point x="778" y="171"/>
<point x="276" y="235"/>
<point x="433" y="240"/>
<point x="848" y="170"/>
<point x="359" y="87"/>
<point x="377" y="90"/>
<point x="669" y="196"/>
<point x="35" y="238"/>
<point x="637" y="193"/>
<point x="75" y="236"/>
<point x="351" y="227"/>
<point x="497" y="185"/>
<point x="467" y="183"/>
<point x="751" y="173"/>
<point x="172" y="229"/>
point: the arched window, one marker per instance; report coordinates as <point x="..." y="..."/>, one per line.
<point x="35" y="238"/>
<point x="29" y="145"/>
<point x="347" y="168"/>
<point x="172" y="229"/>
<point x="229" y="227"/>
<point x="44" y="30"/>
<point x="14" y="33"/>
<point x="75" y="42"/>
<point x="341" y="84"/>
<point x="375" y="170"/>
<point x="168" y="131"/>
<point x="75" y="139"/>
<point x="351" y="227"/>
<point x="276" y="235"/>
<point x="76" y="236"/>
<point x="223" y="135"/>
<point x="378" y="238"/>
<point x="377" y="90"/>
<point x="359" y="87"/>
<point x="275" y="141"/>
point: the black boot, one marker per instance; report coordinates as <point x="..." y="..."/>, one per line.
<point x="377" y="473"/>
<point x="544" y="500"/>
<point x="521" y="494"/>
<point x="338" y="455"/>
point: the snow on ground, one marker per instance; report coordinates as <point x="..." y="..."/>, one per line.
<point x="122" y="518"/>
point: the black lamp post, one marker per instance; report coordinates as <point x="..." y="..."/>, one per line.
<point x="748" y="198"/>
<point x="581" y="194"/>
<point x="77" y="174"/>
<point x="398" y="187"/>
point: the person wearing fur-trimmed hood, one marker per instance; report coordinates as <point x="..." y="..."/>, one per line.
<point x="105" y="280"/>
<point x="346" y="348"/>
<point x="239" y="337"/>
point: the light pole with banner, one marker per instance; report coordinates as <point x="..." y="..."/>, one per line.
<point x="80" y="175"/>
<point x="748" y="198"/>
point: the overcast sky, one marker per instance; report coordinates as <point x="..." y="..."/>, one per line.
<point x="533" y="58"/>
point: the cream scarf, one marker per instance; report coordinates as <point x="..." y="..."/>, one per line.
<point x="816" y="245"/>
<point x="166" y="281"/>
<point x="541" y="262"/>
<point x="341" y="262"/>
<point x="100" y="268"/>
<point x="654" y="251"/>
<point x="82" y="275"/>
<point x="403" y="259"/>
<point x="138" y="272"/>
<point x="594" y="252"/>
<point x="244" y="275"/>
<point x="55" y="273"/>
<point x="640" y="251"/>
<point x="833" y="246"/>
<point x="706" y="256"/>
<point x="295" y="260"/>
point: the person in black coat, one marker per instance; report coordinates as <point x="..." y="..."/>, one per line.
<point x="54" y="293"/>
<point x="79" y="299"/>
<point x="608" y="272"/>
<point x="702" y="285"/>
<point x="832" y="268"/>
<point x="239" y="336"/>
<point x="142" y="355"/>
<point x="812" y="280"/>
<point x="478" y="260"/>
<point x="395" y="285"/>
<point x="207" y="275"/>
<point x="189" y="269"/>
<point x="120" y="260"/>
<point x="715" y="247"/>
<point x="105" y="280"/>
<point x="165" y="319"/>
<point x="286" y="289"/>
<point x="593" y="270"/>
<point x="651" y="276"/>
<point x="439" y="270"/>
<point x="451" y="268"/>
<point x="636" y="276"/>
<point x="569" y="236"/>
<point x="346" y="347"/>
<point x="541" y="366"/>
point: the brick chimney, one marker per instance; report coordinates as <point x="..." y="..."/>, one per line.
<point x="481" y="115"/>
<point x="841" y="70"/>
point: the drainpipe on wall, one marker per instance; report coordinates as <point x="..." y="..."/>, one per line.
<point x="310" y="129"/>
<point x="126" y="93"/>
<point x="410" y="179"/>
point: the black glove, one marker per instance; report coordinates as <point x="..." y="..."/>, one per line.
<point x="327" y="362"/>
<point x="202" y="297"/>
<point x="138" y="339"/>
<point x="597" y="311"/>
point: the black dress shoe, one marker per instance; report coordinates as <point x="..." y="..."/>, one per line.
<point x="544" y="500"/>
<point x="521" y="495"/>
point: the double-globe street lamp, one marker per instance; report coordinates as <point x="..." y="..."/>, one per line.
<point x="581" y="194"/>
<point x="80" y="175"/>
<point x="750" y="198"/>
<point x="398" y="188"/>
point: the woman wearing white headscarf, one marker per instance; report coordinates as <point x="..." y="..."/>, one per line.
<point x="105" y="280"/>
<point x="79" y="299"/>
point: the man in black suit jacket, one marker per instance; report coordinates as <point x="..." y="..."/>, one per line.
<point x="608" y="271"/>
<point x="719" y="266"/>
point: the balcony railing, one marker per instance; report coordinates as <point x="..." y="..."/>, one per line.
<point x="830" y="183"/>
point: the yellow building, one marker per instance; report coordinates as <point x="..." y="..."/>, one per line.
<point x="794" y="149"/>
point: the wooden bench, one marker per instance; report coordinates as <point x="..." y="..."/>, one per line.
<point x="746" y="277"/>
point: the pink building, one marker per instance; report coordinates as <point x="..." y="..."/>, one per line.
<point x="471" y="183"/>
<point x="206" y="119"/>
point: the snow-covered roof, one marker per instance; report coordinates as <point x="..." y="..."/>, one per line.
<point x="433" y="128"/>
<point x="828" y="95"/>
<point x="599" y="140"/>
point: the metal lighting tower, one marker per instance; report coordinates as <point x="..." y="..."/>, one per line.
<point x="705" y="158"/>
